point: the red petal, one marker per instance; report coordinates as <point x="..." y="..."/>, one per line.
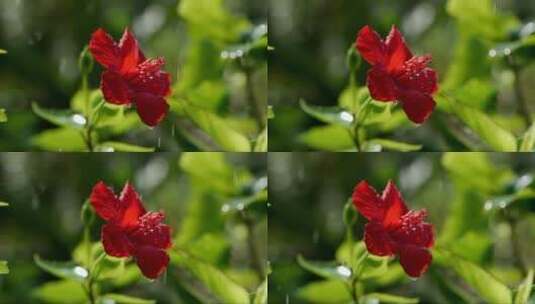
<point x="397" y="50"/>
<point x="381" y="85"/>
<point x="115" y="88"/>
<point x="414" y="260"/>
<point x="415" y="75"/>
<point x="130" y="53"/>
<point x="396" y="209"/>
<point x="151" y="108"/>
<point x="417" y="106"/>
<point x="103" y="200"/>
<point x="368" y="202"/>
<point x="104" y="49"/>
<point x="371" y="46"/>
<point x="377" y="240"/>
<point x="132" y="206"/>
<point x="414" y="231"/>
<point x="115" y="241"/>
<point x="152" y="261"/>
<point x="150" y="79"/>
<point x="151" y="232"/>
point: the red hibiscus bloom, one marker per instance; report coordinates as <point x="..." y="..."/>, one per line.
<point x="130" y="78"/>
<point x="132" y="231"/>
<point x="393" y="229"/>
<point x="397" y="75"/>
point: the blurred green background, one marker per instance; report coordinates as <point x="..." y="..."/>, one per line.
<point x="44" y="38"/>
<point x="311" y="38"/>
<point x="473" y="200"/>
<point x="46" y="192"/>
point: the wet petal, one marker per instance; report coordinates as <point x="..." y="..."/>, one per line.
<point x="132" y="206"/>
<point x="414" y="231"/>
<point x="368" y="202"/>
<point x="417" y="106"/>
<point x="151" y="261"/>
<point x="396" y="205"/>
<point x="103" y="200"/>
<point x="151" y="231"/>
<point x="414" y="260"/>
<point x="115" y="241"/>
<point x="415" y="75"/>
<point x="371" y="46"/>
<point x="397" y="50"/>
<point x="377" y="240"/>
<point x="105" y="50"/>
<point x="151" y="108"/>
<point x="130" y="53"/>
<point x="381" y="85"/>
<point x="150" y="79"/>
<point x="115" y="88"/>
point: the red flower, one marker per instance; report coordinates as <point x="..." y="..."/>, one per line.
<point x="130" y="230"/>
<point x="393" y="229"/>
<point x="130" y="78"/>
<point x="397" y="75"/>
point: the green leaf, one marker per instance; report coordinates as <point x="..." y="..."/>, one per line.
<point x="524" y="290"/>
<point x="218" y="129"/>
<point x="4" y="204"/>
<point x="330" y="115"/>
<point x="112" y="298"/>
<point x="481" y="17"/>
<point x="261" y="295"/>
<point x="504" y="201"/>
<point x="215" y="281"/>
<point x="487" y="286"/>
<point x="325" y="292"/>
<point x="3" y="51"/>
<point x="528" y="140"/>
<point x="329" y="138"/>
<point x="64" y="270"/>
<point x="242" y="203"/>
<point x="387" y="298"/>
<point x="61" y="118"/>
<point x="489" y="131"/>
<point x="4" y="269"/>
<point x="373" y="267"/>
<point x="270" y="112"/>
<point x="211" y="169"/>
<point x="326" y="270"/>
<point x="395" y="145"/>
<point x="114" y="146"/>
<point x="209" y="18"/>
<point x="62" y="140"/>
<point x="60" y="292"/>
<point x="261" y="144"/>
<point x="3" y="115"/>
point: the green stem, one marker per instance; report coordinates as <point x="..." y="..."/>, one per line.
<point x="360" y="118"/>
<point x="257" y="110"/>
<point x="93" y="275"/>
<point x="523" y="108"/>
<point x="254" y="252"/>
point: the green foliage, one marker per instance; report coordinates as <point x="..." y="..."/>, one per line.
<point x="122" y="299"/>
<point x="63" y="270"/>
<point x="4" y="269"/>
<point x="524" y="290"/>
<point x="60" y="292"/>
<point x="488" y="287"/>
<point x="387" y="298"/>
<point x="330" y="291"/>
<point x="222" y="288"/>
<point x="261" y="296"/>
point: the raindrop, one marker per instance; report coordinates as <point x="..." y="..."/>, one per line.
<point x="344" y="271"/>
<point x="80" y="271"/>
<point x="79" y="119"/>
<point x="346" y="116"/>
<point x="492" y="53"/>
